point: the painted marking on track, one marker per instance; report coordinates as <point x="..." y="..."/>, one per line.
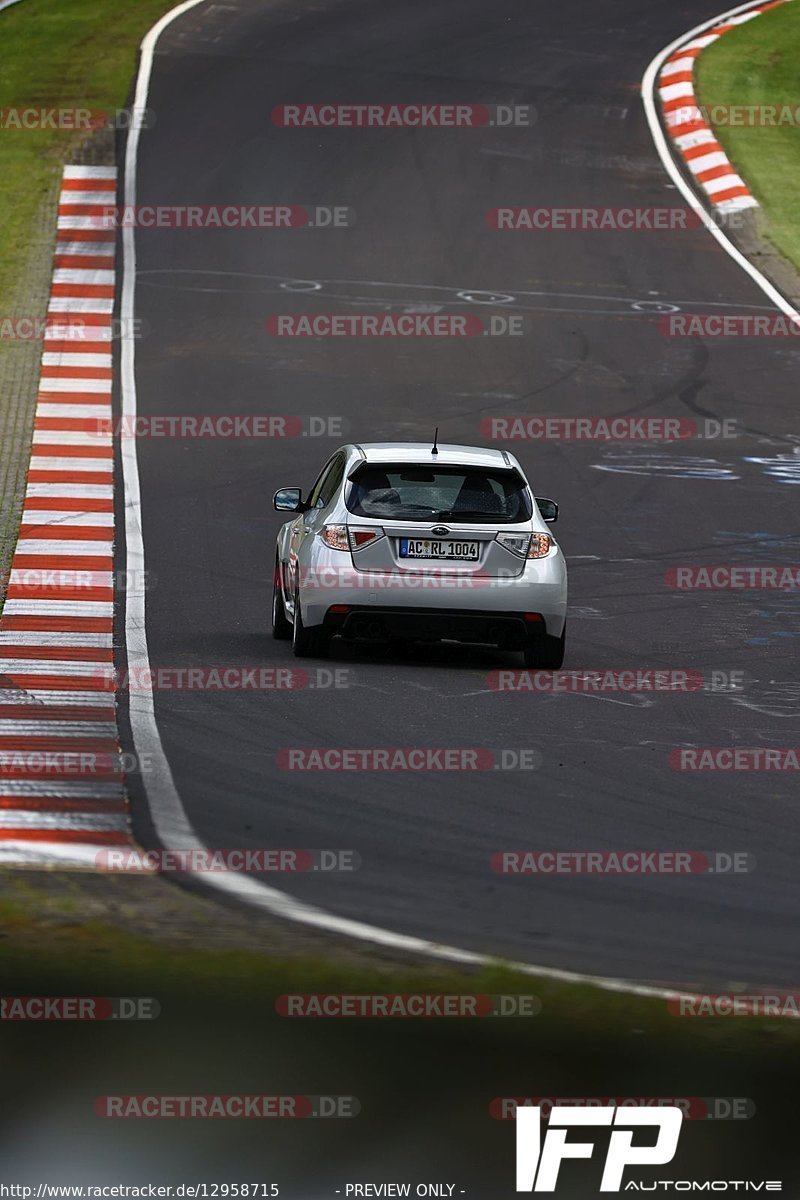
<point x="665" y="153"/>
<point x="62" y="797"/>
<point x="692" y="135"/>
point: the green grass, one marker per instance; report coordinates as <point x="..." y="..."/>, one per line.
<point x="66" y="954"/>
<point x="757" y="64"/>
<point x="56" y="53"/>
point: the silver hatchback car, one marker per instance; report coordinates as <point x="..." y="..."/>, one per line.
<point x="407" y="542"/>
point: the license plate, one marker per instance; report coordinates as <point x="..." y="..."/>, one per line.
<point x="428" y="548"/>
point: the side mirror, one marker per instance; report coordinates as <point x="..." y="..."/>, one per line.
<point x="289" y="500"/>
<point x="548" y="509"/>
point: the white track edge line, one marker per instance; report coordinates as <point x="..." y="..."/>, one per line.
<point x="649" y="82"/>
<point x="170" y="819"/>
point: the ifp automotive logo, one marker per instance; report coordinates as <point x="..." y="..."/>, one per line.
<point x="538" y="1164"/>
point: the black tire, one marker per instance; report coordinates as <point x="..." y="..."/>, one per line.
<point x="307" y="643"/>
<point x="281" y="625"/>
<point x="547" y="653"/>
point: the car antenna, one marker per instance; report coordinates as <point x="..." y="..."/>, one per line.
<point x="435" y="440"/>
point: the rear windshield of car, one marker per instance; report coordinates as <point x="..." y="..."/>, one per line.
<point x="455" y="494"/>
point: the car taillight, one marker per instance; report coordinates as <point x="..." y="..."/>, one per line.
<point x="540" y="545"/>
<point x="526" y="545"/>
<point x="517" y="543"/>
<point x="363" y="535"/>
<point x="334" y="536"/>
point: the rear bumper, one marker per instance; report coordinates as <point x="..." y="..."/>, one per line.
<point x="509" y="630"/>
<point x="540" y="588"/>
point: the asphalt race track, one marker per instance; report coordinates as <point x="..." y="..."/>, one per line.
<point x="589" y="303"/>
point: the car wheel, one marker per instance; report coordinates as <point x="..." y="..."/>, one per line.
<point x="281" y="625"/>
<point x="547" y="653"/>
<point x="307" y="643"/>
